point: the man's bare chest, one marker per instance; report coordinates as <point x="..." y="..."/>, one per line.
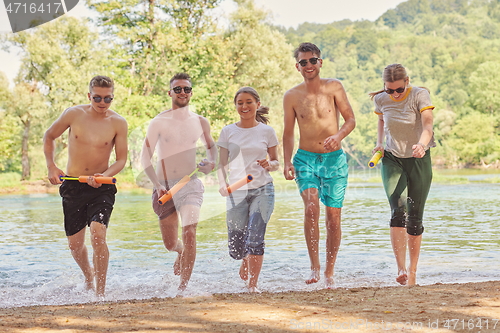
<point x="182" y="134"/>
<point x="95" y="134"/>
<point x="315" y="107"/>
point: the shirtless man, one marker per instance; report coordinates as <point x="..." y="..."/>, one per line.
<point x="174" y="134"/>
<point x="319" y="166"/>
<point x="94" y="130"/>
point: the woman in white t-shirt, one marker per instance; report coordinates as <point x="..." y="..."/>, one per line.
<point x="248" y="147"/>
<point x="405" y="121"/>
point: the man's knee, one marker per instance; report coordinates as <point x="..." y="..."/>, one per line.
<point x="98" y="233"/>
<point x="76" y="242"/>
<point x="310" y="194"/>
<point x="189" y="233"/>
<point x="76" y="246"/>
<point x="311" y="209"/>
<point x="333" y="214"/>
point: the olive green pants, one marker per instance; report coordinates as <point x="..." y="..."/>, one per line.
<point x="407" y="182"/>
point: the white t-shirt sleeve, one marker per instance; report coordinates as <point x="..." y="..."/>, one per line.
<point x="222" y="142"/>
<point x="272" y="139"/>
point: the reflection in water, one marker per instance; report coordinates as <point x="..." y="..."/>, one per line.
<point x="459" y="245"/>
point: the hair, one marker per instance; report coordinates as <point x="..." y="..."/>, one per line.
<point x="306" y="47"/>
<point x="393" y="73"/>
<point x="101" y="81"/>
<point x="261" y="115"/>
<point x="180" y="76"/>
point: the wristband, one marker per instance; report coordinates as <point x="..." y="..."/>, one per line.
<point x="423" y="146"/>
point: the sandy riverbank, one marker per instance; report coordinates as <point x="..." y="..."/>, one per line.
<point x="468" y="307"/>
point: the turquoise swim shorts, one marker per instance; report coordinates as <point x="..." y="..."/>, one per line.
<point x="325" y="172"/>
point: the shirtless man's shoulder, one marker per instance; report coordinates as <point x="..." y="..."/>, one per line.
<point x="75" y="111"/>
<point x="331" y="83"/>
<point x="328" y="85"/>
<point x="170" y="115"/>
<point x="84" y="110"/>
<point x="116" y="119"/>
<point x="294" y="90"/>
<point x="204" y="121"/>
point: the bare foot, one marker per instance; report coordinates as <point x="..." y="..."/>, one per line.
<point x="412" y="278"/>
<point x="402" y="278"/>
<point x="315" y="277"/>
<point x="244" y="269"/>
<point x="182" y="287"/>
<point x="329" y="282"/>
<point x="177" y="264"/>
<point x="180" y="293"/>
<point x="254" y="290"/>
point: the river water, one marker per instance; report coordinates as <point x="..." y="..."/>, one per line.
<point x="460" y="244"/>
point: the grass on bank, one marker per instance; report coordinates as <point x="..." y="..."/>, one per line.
<point x="10" y="180"/>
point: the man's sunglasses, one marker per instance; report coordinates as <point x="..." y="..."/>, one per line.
<point x="98" y="99"/>
<point x="392" y="91"/>
<point x="178" y="89"/>
<point x="313" y="61"/>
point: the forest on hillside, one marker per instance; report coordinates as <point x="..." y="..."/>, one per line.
<point x="452" y="47"/>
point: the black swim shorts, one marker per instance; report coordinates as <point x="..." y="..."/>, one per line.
<point x="83" y="204"/>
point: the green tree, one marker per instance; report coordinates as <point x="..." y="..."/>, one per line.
<point x="9" y="130"/>
<point x="156" y="39"/>
<point x="260" y="54"/>
<point x="474" y="138"/>
<point x="57" y="62"/>
<point x="29" y="106"/>
<point x="262" y="59"/>
<point x="483" y="87"/>
<point x="60" y="58"/>
<point x="4" y="90"/>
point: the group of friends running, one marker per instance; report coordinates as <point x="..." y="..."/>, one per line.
<point x="249" y="146"/>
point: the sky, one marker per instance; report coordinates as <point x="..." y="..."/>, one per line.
<point x="287" y="13"/>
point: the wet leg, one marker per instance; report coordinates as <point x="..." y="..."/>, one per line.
<point x="244" y="269"/>
<point x="79" y="252"/>
<point x="101" y="256"/>
<point x="169" y="232"/>
<point x="333" y="239"/>
<point x="311" y="231"/>
<point x="189" y="216"/>
<point x="254" y="268"/>
<point x="414" y="243"/>
<point x="398" y="241"/>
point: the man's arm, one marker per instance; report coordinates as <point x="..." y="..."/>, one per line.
<point x="121" y="149"/>
<point x="344" y="107"/>
<point x="148" y="149"/>
<point x="55" y="131"/>
<point x="288" y="135"/>
<point x="209" y="145"/>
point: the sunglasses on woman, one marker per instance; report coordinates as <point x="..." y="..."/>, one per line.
<point x="392" y="91"/>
